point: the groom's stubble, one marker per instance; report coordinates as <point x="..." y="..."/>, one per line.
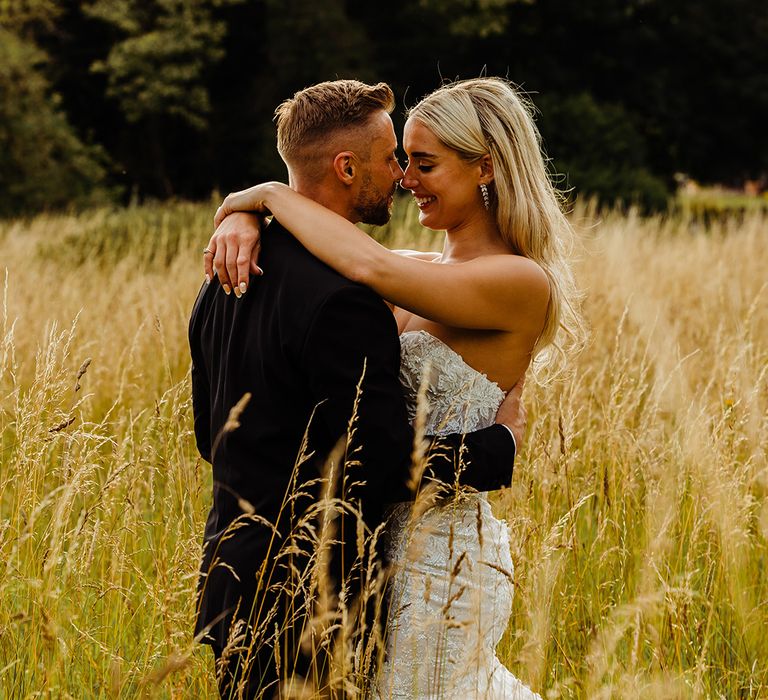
<point x="372" y="206"/>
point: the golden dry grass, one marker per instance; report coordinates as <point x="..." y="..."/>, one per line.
<point x="638" y="508"/>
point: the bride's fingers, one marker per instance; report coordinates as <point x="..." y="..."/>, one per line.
<point x="243" y="264"/>
<point x="219" y="264"/>
<point x="253" y="265"/>
<point x="208" y="255"/>
<point x="247" y="259"/>
<point x="231" y="264"/>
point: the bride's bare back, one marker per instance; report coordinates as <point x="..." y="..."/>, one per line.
<point x="503" y="356"/>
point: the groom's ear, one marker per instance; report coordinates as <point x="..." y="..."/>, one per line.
<point x="345" y="167"/>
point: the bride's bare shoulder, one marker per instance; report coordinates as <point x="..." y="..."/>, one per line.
<point x="518" y="276"/>
<point x="519" y="264"/>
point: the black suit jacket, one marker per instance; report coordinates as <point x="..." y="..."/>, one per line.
<point x="299" y="341"/>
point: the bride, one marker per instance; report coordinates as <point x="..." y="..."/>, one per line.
<point x="472" y="316"/>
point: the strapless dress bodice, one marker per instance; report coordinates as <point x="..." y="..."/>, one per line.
<point x="459" y="398"/>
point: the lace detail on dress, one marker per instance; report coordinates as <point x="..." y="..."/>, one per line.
<point x="460" y="399"/>
<point x="452" y="583"/>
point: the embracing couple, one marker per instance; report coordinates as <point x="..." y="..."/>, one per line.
<point x="346" y="348"/>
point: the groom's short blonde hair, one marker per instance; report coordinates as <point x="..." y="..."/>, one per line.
<point x="313" y="115"/>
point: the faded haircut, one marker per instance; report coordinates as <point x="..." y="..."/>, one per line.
<point x="316" y="113"/>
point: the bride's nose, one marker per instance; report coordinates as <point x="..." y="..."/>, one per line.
<point x="409" y="182"/>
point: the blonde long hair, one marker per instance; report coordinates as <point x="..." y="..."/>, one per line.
<point x="485" y="116"/>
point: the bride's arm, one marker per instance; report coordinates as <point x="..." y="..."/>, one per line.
<point x="418" y="254"/>
<point x="503" y="292"/>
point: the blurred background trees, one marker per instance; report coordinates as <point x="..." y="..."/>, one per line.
<point x="158" y="98"/>
<point x="43" y="161"/>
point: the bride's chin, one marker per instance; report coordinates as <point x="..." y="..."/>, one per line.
<point x="426" y="222"/>
<point x="423" y="217"/>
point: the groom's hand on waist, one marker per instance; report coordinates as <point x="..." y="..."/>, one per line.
<point x="511" y="413"/>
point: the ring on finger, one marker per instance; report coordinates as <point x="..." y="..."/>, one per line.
<point x="207" y="252"/>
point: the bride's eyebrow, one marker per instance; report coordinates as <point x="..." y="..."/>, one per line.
<point x="422" y="154"/>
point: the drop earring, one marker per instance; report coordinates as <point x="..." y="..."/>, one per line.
<point x="486" y="198"/>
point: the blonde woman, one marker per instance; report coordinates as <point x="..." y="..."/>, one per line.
<point x="473" y="317"/>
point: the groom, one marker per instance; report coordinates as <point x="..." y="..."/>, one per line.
<point x="312" y="349"/>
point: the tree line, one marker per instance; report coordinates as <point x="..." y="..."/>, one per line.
<point x="116" y="99"/>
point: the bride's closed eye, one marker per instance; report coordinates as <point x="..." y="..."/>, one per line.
<point x="421" y="167"/>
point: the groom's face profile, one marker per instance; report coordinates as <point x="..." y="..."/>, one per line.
<point x="380" y="172"/>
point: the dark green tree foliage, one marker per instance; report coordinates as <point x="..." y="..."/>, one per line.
<point x="630" y="91"/>
<point x="702" y="83"/>
<point x="43" y="163"/>
<point x="22" y="16"/>
<point x="690" y="76"/>
<point x="603" y="153"/>
<point x="158" y="65"/>
<point x="471" y="18"/>
<point x="292" y="44"/>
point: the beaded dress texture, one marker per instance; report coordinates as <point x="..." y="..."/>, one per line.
<point x="451" y="590"/>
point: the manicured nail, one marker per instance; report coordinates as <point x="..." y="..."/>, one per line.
<point x="243" y="287"/>
<point x="259" y="270"/>
<point x="226" y="288"/>
<point x="207" y="278"/>
<point x="238" y="293"/>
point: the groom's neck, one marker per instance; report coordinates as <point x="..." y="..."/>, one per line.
<point x="329" y="196"/>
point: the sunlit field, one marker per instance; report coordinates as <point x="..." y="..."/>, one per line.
<point x="637" y="509"/>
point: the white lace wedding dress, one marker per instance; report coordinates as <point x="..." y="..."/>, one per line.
<point x="451" y="592"/>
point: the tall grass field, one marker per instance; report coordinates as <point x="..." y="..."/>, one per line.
<point x="638" y="507"/>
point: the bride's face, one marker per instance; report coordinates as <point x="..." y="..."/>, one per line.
<point x="446" y="187"/>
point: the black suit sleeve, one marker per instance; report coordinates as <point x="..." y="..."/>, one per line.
<point x="201" y="386"/>
<point x="485" y="457"/>
<point x="353" y="330"/>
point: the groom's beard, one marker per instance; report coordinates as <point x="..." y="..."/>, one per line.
<point x="372" y="205"/>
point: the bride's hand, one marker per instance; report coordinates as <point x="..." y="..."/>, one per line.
<point x="252" y="199"/>
<point x="233" y="251"/>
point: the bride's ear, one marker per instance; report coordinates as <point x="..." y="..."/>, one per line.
<point x="486" y="170"/>
<point x="345" y="167"/>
